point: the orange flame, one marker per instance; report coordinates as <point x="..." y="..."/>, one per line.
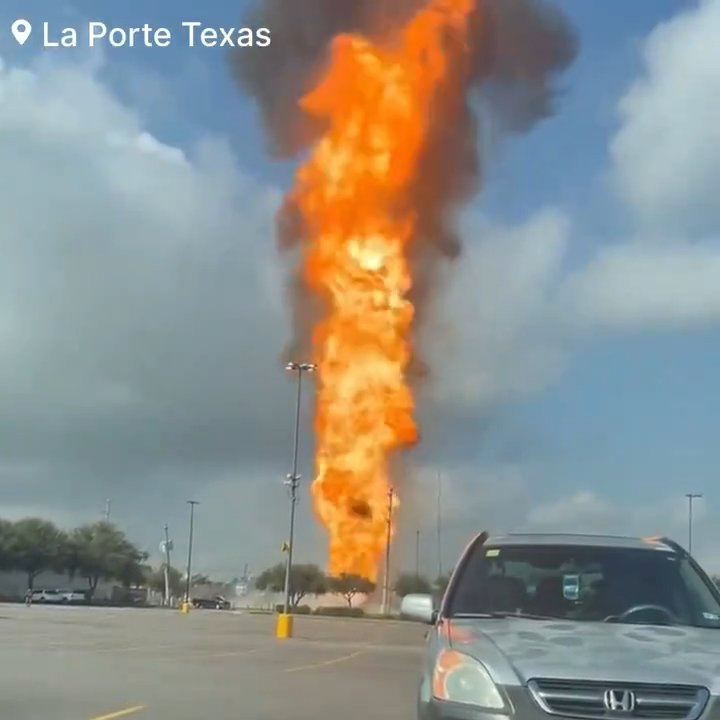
<point x="353" y="194"/>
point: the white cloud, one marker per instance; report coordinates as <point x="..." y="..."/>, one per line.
<point x="473" y="497"/>
<point x="490" y="336"/>
<point x="666" y="164"/>
<point x="583" y="511"/>
<point x="140" y="328"/>
<point x="589" y="511"/>
<point x="492" y="489"/>
<point x="641" y="286"/>
<point x="667" y="151"/>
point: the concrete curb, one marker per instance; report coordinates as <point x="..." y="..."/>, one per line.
<point x="300" y="617"/>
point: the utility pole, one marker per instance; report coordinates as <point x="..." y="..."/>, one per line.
<point x="386" y="580"/>
<point x="167" y="566"/>
<point x="439" y="525"/>
<point x="417" y="553"/>
<point x="192" y="504"/>
<point x="107" y="510"/>
<point x="293" y="479"/>
<point x="691" y="497"/>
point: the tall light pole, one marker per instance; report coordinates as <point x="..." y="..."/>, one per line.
<point x="293" y="479"/>
<point x="386" y="580"/>
<point x="439" y="525"/>
<point x="106" y="515"/>
<point x="417" y="554"/>
<point x="167" y="547"/>
<point x="192" y="504"/>
<point x="691" y="497"/>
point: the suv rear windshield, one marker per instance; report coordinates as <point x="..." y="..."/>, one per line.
<point x="587" y="583"/>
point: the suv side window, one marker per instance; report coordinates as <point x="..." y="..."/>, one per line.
<point x="701" y="597"/>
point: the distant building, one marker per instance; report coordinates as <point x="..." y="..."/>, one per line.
<point x="13" y="585"/>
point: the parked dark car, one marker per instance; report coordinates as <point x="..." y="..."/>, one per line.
<point x="215" y="603"/>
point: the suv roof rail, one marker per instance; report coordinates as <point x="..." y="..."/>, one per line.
<point x="676" y="546"/>
<point x="570" y="534"/>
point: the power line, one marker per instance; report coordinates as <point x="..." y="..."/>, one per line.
<point x="439" y="525"/>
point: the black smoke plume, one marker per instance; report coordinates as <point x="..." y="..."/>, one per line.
<point x="518" y="48"/>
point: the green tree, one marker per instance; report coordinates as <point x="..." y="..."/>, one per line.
<point x="304" y="580"/>
<point x="349" y="586"/>
<point x="410" y="583"/>
<point x="272" y="579"/>
<point x="101" y="551"/>
<point x="155" y="579"/>
<point x="7" y="542"/>
<point x="36" y="546"/>
<point x="131" y="572"/>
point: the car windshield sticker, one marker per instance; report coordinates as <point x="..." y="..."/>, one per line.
<point x="571" y="587"/>
<point x="493" y="552"/>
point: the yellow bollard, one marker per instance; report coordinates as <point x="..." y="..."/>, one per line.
<point x="284" y="626"/>
<point x="185" y="608"/>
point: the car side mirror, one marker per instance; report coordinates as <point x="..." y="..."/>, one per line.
<point x="418" y="607"/>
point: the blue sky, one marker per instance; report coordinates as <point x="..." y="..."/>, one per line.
<point x="655" y="387"/>
<point x="628" y="414"/>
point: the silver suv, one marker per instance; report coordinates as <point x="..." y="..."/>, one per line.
<point x="571" y="626"/>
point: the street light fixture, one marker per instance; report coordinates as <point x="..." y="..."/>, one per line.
<point x="293" y="478"/>
<point x="192" y="504"/>
<point x="691" y="497"/>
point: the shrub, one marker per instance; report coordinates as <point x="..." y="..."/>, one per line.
<point x="340" y="611"/>
<point x="299" y="610"/>
<point x="383" y="616"/>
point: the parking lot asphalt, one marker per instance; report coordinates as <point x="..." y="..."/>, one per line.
<point x="78" y="663"/>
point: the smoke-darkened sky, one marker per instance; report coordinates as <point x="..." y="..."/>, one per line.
<point x="517" y="45"/>
<point x="517" y="51"/>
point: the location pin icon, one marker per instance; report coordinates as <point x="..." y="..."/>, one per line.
<point x="21" y="30"/>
